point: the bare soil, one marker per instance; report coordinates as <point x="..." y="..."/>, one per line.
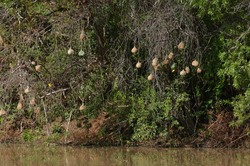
<point x="105" y="130"/>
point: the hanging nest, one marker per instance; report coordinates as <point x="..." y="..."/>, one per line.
<point x="195" y="63"/>
<point x="187" y="69"/>
<point x="82" y="35"/>
<point x="70" y="51"/>
<point x="181" y="45"/>
<point x="199" y="70"/>
<point x="169" y="31"/>
<point x="38" y="68"/>
<point x="138" y="65"/>
<point x="150" y="77"/>
<point x="134" y="50"/>
<point x="171" y="55"/>
<point x="155" y="62"/>
<point x="183" y="72"/>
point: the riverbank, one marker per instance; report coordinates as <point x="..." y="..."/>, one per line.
<point x="105" y="131"/>
<point x="134" y="73"/>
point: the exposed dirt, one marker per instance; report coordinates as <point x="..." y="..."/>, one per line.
<point x="83" y="132"/>
<point x="105" y="130"/>
<point x="79" y="131"/>
<point x="219" y="133"/>
<point x="11" y="130"/>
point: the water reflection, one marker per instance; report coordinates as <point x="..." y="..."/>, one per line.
<point x="120" y="156"/>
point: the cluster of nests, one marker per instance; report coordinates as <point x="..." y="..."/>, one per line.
<point x="81" y="52"/>
<point x="156" y="64"/>
<point x="38" y="68"/>
<point x="70" y="52"/>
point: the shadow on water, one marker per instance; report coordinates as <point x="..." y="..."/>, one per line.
<point x="119" y="156"/>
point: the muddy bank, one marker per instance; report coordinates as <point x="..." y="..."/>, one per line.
<point x="106" y="131"/>
<point x="102" y="130"/>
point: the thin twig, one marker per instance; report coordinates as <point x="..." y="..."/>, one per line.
<point x="67" y="129"/>
<point x="236" y="140"/>
<point x="54" y="92"/>
<point x="46" y="117"/>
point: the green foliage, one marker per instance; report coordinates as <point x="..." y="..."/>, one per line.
<point x="1" y="120"/>
<point x="229" y="43"/>
<point x="31" y="135"/>
<point x="118" y="103"/>
<point x="153" y="115"/>
<point x="236" y="62"/>
<point x="92" y="92"/>
<point x="27" y="136"/>
<point x="236" y="66"/>
<point x="216" y="9"/>
<point x="57" y="129"/>
<point x="53" y="138"/>
<point x="242" y="108"/>
<point x="145" y="114"/>
<point x="216" y="33"/>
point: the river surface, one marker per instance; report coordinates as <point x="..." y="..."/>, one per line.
<point x="42" y="155"/>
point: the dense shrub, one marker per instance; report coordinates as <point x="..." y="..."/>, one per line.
<point x="188" y="58"/>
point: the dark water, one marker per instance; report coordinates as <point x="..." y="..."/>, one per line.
<point x="24" y="155"/>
